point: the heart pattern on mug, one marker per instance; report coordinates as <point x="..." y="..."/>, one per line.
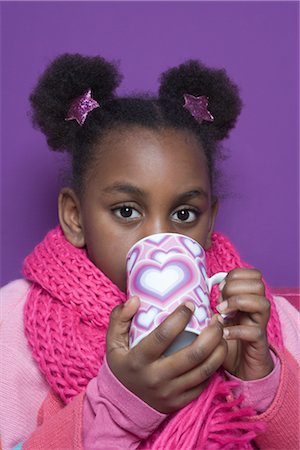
<point x="161" y="256"/>
<point x="201" y="314"/>
<point x="204" y="274"/>
<point x="165" y="270"/>
<point x="145" y="318"/>
<point x="193" y="247"/>
<point x="157" y="238"/>
<point x="132" y="259"/>
<point x="161" y="282"/>
<point x="203" y="296"/>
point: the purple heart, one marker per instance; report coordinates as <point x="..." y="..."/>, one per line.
<point x="203" y="296"/>
<point x="193" y="247"/>
<point x="161" y="256"/>
<point x="163" y="282"/>
<point x="201" y="314"/>
<point x="145" y="318"/>
<point x="157" y="238"/>
<point x="131" y="259"/>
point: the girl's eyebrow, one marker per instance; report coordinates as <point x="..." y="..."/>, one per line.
<point x="125" y="188"/>
<point x="199" y="192"/>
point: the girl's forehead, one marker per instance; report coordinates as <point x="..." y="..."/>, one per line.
<point x="138" y="144"/>
<point x="150" y="156"/>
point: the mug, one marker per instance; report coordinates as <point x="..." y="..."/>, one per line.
<point x="165" y="270"/>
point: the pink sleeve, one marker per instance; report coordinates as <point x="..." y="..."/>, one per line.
<point x="22" y="385"/>
<point x="259" y="394"/>
<point x="290" y="325"/>
<point x="114" y="418"/>
<point x="282" y="417"/>
<point x="59" y="426"/>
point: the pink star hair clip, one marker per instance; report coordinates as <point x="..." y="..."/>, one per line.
<point x="81" y="106"/>
<point x="197" y="107"/>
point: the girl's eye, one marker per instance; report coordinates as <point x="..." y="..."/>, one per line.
<point x="185" y="215"/>
<point x="126" y="212"/>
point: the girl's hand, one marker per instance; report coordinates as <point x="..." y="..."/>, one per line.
<point x="165" y="383"/>
<point x="243" y="298"/>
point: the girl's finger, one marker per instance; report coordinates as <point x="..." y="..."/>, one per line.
<point x="243" y="273"/>
<point x="244" y="333"/>
<point x="180" y="401"/>
<point x="156" y="343"/>
<point x="240" y="274"/>
<point x="129" y="309"/>
<point x="120" y="320"/>
<point x="196" y="353"/>
<point x="250" y="304"/>
<point x="250" y="286"/>
<point x="202" y="372"/>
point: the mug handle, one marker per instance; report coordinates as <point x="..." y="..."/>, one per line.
<point x="216" y="279"/>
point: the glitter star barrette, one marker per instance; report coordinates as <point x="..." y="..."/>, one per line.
<point x="197" y="107"/>
<point x="81" y="106"/>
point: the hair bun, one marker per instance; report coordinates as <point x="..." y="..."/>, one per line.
<point x="193" y="77"/>
<point x="66" y="78"/>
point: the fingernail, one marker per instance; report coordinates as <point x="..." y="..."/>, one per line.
<point x="214" y="319"/>
<point x="225" y="333"/>
<point x="190" y="305"/>
<point x="221" y="285"/>
<point x="222" y="306"/>
<point x="130" y="300"/>
<point x="220" y="319"/>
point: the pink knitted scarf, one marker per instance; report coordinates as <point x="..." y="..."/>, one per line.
<point x="66" y="318"/>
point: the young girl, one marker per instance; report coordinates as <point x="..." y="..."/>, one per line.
<point x="140" y="165"/>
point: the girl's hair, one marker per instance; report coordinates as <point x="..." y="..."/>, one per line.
<point x="69" y="76"/>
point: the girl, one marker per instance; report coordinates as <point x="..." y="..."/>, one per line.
<point x="140" y="165"/>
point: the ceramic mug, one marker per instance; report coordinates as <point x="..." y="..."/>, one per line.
<point x="165" y="270"/>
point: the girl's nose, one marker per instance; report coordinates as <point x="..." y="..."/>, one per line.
<point x="157" y="226"/>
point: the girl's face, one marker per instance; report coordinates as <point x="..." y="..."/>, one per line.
<point x="143" y="182"/>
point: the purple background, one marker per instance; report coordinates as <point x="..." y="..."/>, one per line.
<point x="255" y="41"/>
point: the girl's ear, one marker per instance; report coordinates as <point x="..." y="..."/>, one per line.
<point x="214" y="212"/>
<point x="70" y="217"/>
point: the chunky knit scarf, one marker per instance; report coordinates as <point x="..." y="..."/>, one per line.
<point x="66" y="319"/>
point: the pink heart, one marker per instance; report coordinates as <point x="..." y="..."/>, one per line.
<point x="162" y="256"/>
<point x="163" y="282"/>
<point x="144" y="319"/>
<point x="132" y="259"/>
<point x="203" y="296"/>
<point x="194" y="248"/>
<point x="201" y="314"/>
<point x="157" y="238"/>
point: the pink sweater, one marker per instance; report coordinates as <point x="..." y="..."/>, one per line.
<point x="107" y="415"/>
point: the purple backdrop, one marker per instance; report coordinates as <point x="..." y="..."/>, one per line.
<point x="255" y="41"/>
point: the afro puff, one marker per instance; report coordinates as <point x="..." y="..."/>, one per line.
<point x="66" y="78"/>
